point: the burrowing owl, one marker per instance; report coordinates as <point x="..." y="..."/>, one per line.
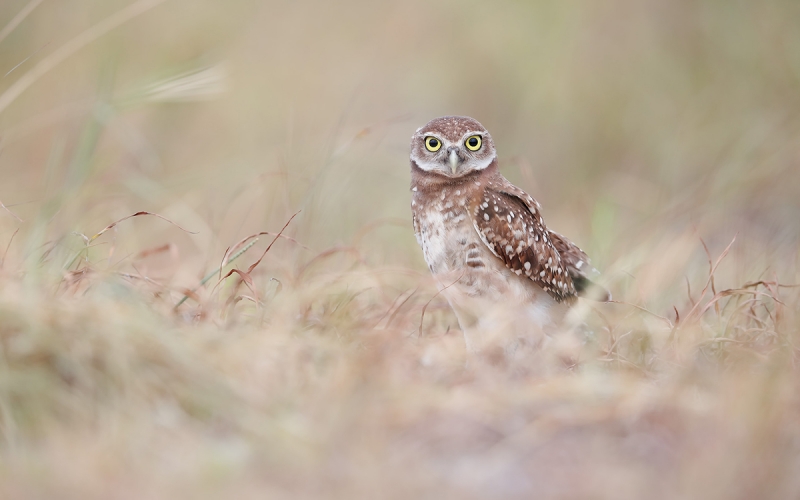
<point x="484" y="239"/>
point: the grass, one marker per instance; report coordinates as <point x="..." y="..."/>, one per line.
<point x="161" y="336"/>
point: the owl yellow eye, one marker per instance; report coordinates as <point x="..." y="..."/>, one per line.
<point x="432" y="143"/>
<point x="473" y="143"/>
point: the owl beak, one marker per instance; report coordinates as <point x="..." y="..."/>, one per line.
<point x="453" y="160"/>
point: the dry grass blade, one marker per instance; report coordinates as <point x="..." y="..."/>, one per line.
<point x="710" y="279"/>
<point x="142" y="277"/>
<point x="247" y="279"/>
<point x="189" y="294"/>
<point x="243" y="241"/>
<point x="768" y="284"/>
<point x="425" y="307"/>
<point x="16" y="20"/>
<point x="736" y="291"/>
<point x="245" y="275"/>
<point x="711" y="274"/>
<point x="137" y="214"/>
<point x="328" y="253"/>
<point x="287" y="238"/>
<point x="611" y="350"/>
<point x="689" y="290"/>
<point x="9" y="211"/>
<point x="399" y="306"/>
<point x="197" y="85"/>
<point x="280" y="233"/>
<point x="72" y="279"/>
<point x="5" y="254"/>
<point x="168" y="247"/>
<point x="394" y="308"/>
<point x="210" y="275"/>
<point x="72" y="46"/>
<point x="643" y="309"/>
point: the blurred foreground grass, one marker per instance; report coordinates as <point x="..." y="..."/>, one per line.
<point x="661" y="136"/>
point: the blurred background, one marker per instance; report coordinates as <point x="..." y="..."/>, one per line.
<point x="646" y="128"/>
<point x="632" y="122"/>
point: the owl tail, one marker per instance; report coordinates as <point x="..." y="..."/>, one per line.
<point x="588" y="289"/>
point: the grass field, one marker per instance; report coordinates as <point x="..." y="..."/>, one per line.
<point x="660" y="135"/>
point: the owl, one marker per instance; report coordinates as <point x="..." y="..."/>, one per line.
<point x="485" y="241"/>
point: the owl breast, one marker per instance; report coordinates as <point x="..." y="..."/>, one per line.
<point x="454" y="251"/>
<point x="444" y="231"/>
<point x="476" y="283"/>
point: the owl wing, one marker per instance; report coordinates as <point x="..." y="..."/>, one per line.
<point x="416" y="228"/>
<point x="579" y="268"/>
<point x="510" y="224"/>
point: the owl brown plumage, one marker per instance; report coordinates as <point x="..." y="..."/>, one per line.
<point x="483" y="238"/>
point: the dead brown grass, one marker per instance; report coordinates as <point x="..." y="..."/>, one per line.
<point x="213" y="354"/>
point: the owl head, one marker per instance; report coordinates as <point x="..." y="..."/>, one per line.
<point x="452" y="146"/>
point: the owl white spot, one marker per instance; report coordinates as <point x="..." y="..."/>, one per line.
<point x="509" y="249"/>
<point x="579" y="264"/>
<point x="549" y="261"/>
<point x="512" y="215"/>
<point x="541" y="274"/>
<point x="508" y="217"/>
<point x="485" y="205"/>
<point x="486" y="217"/>
<point x="414" y="188"/>
<point x="527" y="266"/>
<point x="484" y="239"/>
<point x="517" y="272"/>
<point x="458" y="192"/>
<point x="413" y="203"/>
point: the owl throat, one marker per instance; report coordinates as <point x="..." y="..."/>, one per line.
<point x="423" y="180"/>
